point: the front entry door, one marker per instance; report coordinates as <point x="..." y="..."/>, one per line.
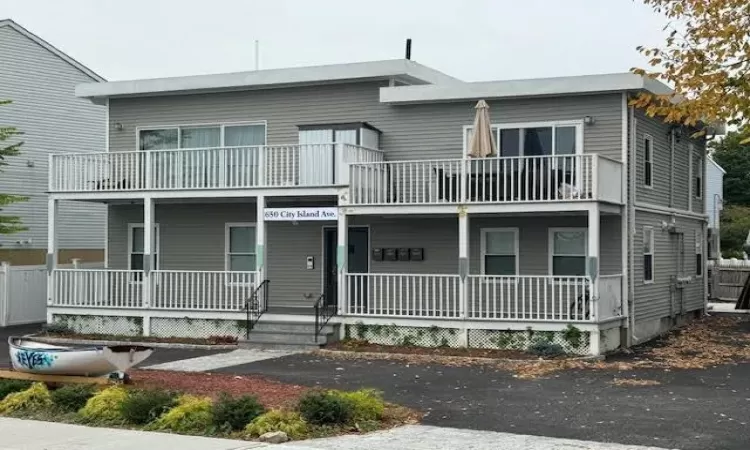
<point x="358" y="259"/>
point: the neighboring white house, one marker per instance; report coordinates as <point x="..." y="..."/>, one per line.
<point x="714" y="192"/>
<point x="40" y="80"/>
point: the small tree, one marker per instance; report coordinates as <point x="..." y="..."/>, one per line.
<point x="734" y="158"/>
<point x="706" y="58"/>
<point x="9" y="224"/>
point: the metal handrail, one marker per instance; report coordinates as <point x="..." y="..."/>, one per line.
<point x="254" y="308"/>
<point x="323" y="314"/>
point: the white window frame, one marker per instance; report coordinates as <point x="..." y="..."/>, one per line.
<point x="649" y="231"/>
<point x="156" y="246"/>
<point x="483" y="248"/>
<point x="551" y="247"/>
<point x="179" y="127"/>
<point x="496" y="127"/>
<point x="699" y="251"/>
<point x="698" y="176"/>
<point x="222" y="129"/>
<point x="648" y="162"/>
<point x="227" y="254"/>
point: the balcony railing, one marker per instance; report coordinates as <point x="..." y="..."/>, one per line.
<point x="297" y="165"/>
<point x="489" y="180"/>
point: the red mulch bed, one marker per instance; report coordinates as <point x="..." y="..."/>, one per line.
<point x="271" y="393"/>
<point x="366" y="347"/>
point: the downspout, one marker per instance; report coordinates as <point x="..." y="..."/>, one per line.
<point x="631" y="220"/>
<point x="625" y="306"/>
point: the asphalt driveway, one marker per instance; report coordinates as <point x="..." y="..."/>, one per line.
<point x="690" y="410"/>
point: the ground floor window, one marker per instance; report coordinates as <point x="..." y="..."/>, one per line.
<point x="136" y="239"/>
<point x="648" y="255"/>
<point x="499" y="251"/>
<point x="567" y="250"/>
<point x="698" y="253"/>
<point x="240" y="247"/>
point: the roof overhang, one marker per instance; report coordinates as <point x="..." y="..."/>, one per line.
<point x="541" y="87"/>
<point x="401" y="70"/>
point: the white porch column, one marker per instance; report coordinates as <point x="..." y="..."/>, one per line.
<point x="148" y="249"/>
<point x="463" y="268"/>
<point x="53" y="207"/>
<point x="592" y="264"/>
<point x="260" y="239"/>
<point x="341" y="260"/>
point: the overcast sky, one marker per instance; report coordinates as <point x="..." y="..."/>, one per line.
<point x="470" y="39"/>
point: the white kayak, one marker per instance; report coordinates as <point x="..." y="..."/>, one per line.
<point x="31" y="356"/>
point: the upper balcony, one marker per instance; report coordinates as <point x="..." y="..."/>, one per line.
<point x="524" y="179"/>
<point x="267" y="166"/>
<point x="371" y="180"/>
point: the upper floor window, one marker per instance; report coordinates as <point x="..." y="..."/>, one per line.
<point x="567" y="251"/>
<point x="698" y="184"/>
<point x="648" y="161"/>
<point x="240" y="247"/>
<point x="499" y="251"/>
<point x="535" y="139"/>
<point x="203" y="136"/>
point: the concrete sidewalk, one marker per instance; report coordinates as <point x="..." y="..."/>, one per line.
<point x="32" y="435"/>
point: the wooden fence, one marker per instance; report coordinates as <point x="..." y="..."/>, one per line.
<point x="726" y="279"/>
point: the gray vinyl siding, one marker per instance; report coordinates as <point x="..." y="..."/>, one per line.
<point x="192" y="237"/>
<point x="659" y="194"/>
<point x="53" y="120"/>
<point x="409" y="131"/>
<point x="699" y="154"/>
<point x="652" y="301"/>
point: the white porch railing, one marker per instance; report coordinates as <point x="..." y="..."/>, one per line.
<point x="301" y="165"/>
<point x="507" y="179"/>
<point x="100" y="288"/>
<point x="201" y="290"/>
<point x="546" y="298"/>
<point x="397" y="295"/>
<point x="488" y="297"/>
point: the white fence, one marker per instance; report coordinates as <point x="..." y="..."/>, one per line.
<point x="23" y="294"/>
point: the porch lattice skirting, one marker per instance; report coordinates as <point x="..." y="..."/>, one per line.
<point x="573" y="342"/>
<point x="166" y="327"/>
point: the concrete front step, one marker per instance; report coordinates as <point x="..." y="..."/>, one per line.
<point x="307" y="327"/>
<point x="288" y="335"/>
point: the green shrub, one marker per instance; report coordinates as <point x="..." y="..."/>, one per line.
<point x="325" y="408"/>
<point x="235" y="413"/>
<point x="192" y="415"/>
<point x="105" y="406"/>
<point x="546" y="349"/>
<point x="11" y="386"/>
<point x="366" y="404"/>
<point x="34" y="398"/>
<point x="144" y="406"/>
<point x="72" y="397"/>
<point x="289" y="422"/>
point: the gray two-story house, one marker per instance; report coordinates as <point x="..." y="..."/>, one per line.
<point x="40" y="80"/>
<point x="344" y="195"/>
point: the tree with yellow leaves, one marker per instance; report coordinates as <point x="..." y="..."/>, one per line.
<point x="705" y="58"/>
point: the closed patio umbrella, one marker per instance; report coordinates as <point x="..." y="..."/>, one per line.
<point x="482" y="143"/>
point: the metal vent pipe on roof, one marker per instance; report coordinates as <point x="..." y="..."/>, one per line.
<point x="408" y="48"/>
